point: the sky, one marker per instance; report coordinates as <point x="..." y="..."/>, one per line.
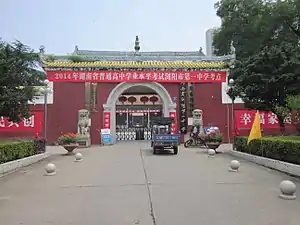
<point x="60" y="25"/>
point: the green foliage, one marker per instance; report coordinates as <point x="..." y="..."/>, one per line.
<point x="278" y="148"/>
<point x="293" y="102"/>
<point x="254" y="24"/>
<point x="213" y="138"/>
<point x="266" y="37"/>
<point x="17" y="150"/>
<point x="267" y="78"/>
<point x="287" y="13"/>
<point x="283" y="138"/>
<point x="281" y="110"/>
<point x="18" y="76"/>
<point x="240" y="19"/>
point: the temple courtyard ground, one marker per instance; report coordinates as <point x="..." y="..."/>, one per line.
<point x="125" y="184"/>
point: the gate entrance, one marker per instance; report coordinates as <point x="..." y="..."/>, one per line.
<point x="120" y="100"/>
<point x="135" y="109"/>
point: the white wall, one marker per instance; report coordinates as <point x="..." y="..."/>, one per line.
<point x="40" y="99"/>
<point x="225" y="98"/>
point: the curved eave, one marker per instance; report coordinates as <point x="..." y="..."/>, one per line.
<point x="137" y="65"/>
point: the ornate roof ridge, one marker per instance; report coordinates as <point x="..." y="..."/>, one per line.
<point x="137" y="65"/>
<point x="132" y="53"/>
<point x="140" y="58"/>
<point x="106" y="56"/>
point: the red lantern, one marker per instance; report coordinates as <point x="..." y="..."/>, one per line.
<point x="132" y="99"/>
<point x="153" y="99"/>
<point x="122" y="99"/>
<point x="144" y="99"/>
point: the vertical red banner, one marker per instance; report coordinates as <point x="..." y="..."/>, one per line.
<point x="106" y="120"/>
<point x="174" y="125"/>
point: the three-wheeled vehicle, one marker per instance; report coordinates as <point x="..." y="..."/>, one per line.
<point x="162" y="136"/>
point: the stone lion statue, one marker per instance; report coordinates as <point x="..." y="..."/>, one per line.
<point x="83" y="128"/>
<point x="197" y="121"/>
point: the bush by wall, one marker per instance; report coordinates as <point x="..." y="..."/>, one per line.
<point x="283" y="149"/>
<point x="16" y="150"/>
<point x="39" y="145"/>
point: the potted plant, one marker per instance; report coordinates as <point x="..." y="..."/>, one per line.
<point x="213" y="140"/>
<point x="68" y="141"/>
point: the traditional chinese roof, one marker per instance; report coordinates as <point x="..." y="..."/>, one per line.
<point x="137" y="64"/>
<point x="136" y="59"/>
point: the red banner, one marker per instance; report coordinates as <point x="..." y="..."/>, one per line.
<point x="244" y="119"/>
<point x="33" y="123"/>
<point x="203" y="76"/>
<point x="174" y="125"/>
<point x="106" y="120"/>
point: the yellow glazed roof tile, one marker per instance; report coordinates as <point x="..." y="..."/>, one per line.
<point x="137" y="64"/>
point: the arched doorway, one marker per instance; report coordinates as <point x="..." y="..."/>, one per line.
<point x="110" y="106"/>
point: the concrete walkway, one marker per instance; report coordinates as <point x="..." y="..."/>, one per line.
<point x="126" y="184"/>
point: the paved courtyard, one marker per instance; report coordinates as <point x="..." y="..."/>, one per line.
<point x="126" y="184"/>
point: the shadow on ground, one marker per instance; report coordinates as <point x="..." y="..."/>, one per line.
<point x="149" y="152"/>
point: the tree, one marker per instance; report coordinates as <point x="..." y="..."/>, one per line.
<point x="267" y="78"/>
<point x="288" y="13"/>
<point x="254" y="24"/>
<point x="293" y="104"/>
<point x="266" y="37"/>
<point x="245" y="22"/>
<point x="18" y="76"/>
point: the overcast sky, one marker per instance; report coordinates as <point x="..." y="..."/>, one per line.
<point x="59" y="25"/>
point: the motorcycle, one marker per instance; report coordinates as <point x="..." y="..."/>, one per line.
<point x="195" y="140"/>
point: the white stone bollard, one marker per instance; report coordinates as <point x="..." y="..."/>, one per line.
<point x="288" y="190"/>
<point x="78" y="157"/>
<point x="50" y="169"/>
<point x="234" y="166"/>
<point x="211" y="153"/>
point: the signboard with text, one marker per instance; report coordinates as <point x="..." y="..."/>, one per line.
<point x="244" y="119"/>
<point x="33" y="123"/>
<point x="174" y="125"/>
<point x="106" y="120"/>
<point x="203" y="76"/>
<point x="106" y="139"/>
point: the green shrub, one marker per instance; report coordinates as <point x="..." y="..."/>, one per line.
<point x="283" y="149"/>
<point x="212" y="137"/>
<point x="16" y="150"/>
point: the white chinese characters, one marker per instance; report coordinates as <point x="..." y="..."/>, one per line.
<point x="119" y="76"/>
<point x="268" y="119"/>
<point x="2" y="121"/>
<point x="106" y="120"/>
<point x="246" y="119"/>
<point x="25" y="123"/>
<point x="12" y="124"/>
<point x="272" y="119"/>
<point x="29" y="122"/>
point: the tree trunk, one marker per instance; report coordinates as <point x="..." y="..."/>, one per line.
<point x="297" y="122"/>
<point x="281" y="124"/>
